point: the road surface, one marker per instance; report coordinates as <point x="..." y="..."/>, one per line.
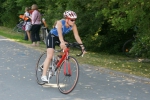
<point x="18" y="81"/>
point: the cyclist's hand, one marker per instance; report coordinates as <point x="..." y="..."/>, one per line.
<point x="62" y="45"/>
<point x="83" y="50"/>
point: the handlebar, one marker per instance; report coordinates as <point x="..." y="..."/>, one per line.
<point x="76" y="45"/>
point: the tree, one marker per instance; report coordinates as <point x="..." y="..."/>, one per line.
<point x="104" y="25"/>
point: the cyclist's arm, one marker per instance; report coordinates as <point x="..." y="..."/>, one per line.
<point x="78" y="39"/>
<point x="76" y="35"/>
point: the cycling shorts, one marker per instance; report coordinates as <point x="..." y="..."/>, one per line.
<point x="52" y="40"/>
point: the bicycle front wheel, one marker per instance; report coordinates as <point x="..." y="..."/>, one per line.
<point x="67" y="75"/>
<point x="39" y="68"/>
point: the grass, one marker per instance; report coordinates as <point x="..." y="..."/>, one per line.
<point x="9" y="33"/>
<point x="138" y="66"/>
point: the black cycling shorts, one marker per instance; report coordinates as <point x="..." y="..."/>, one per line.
<point x="52" y="40"/>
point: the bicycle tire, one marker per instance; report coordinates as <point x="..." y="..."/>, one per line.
<point x="126" y="47"/>
<point x="39" y="68"/>
<point x="19" y="30"/>
<point x="45" y="34"/>
<point x="41" y="33"/>
<point x="62" y="79"/>
<point x="15" y="29"/>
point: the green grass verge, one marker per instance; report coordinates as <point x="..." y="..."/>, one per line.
<point x="138" y="66"/>
<point x="9" y="33"/>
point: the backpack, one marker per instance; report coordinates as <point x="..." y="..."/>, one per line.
<point x="22" y="17"/>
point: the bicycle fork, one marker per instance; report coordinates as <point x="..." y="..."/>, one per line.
<point x="67" y="68"/>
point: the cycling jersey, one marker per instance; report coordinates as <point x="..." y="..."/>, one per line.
<point x="65" y="30"/>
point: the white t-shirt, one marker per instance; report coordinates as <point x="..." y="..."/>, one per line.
<point x="27" y="14"/>
<point x="28" y="23"/>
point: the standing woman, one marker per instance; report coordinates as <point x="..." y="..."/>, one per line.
<point x="27" y="23"/>
<point x="36" y="25"/>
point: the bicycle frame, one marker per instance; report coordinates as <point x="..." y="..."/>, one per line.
<point x="66" y="53"/>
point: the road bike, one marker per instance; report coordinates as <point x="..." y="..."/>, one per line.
<point x="127" y="46"/>
<point x="18" y="27"/>
<point x="66" y="69"/>
<point x="44" y="33"/>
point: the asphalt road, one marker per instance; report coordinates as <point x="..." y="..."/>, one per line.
<point x="18" y="82"/>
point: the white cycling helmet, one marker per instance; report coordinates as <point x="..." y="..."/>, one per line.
<point x="70" y="14"/>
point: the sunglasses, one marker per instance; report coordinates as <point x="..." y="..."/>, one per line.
<point x="72" y="20"/>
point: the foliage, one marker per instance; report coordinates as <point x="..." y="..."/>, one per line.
<point x="104" y="25"/>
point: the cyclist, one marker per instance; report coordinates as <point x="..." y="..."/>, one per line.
<point x="61" y="28"/>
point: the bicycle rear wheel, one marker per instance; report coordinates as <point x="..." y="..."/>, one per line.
<point x="67" y="75"/>
<point x="39" y="68"/>
<point x="45" y="34"/>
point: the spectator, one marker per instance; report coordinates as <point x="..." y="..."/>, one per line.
<point x="36" y="25"/>
<point x="27" y="23"/>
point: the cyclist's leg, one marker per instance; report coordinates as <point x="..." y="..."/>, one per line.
<point x="50" y="51"/>
<point x="27" y="29"/>
<point x="47" y="62"/>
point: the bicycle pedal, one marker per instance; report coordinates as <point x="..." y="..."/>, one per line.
<point x="39" y="69"/>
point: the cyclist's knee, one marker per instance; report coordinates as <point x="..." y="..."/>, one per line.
<point x="49" y="57"/>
